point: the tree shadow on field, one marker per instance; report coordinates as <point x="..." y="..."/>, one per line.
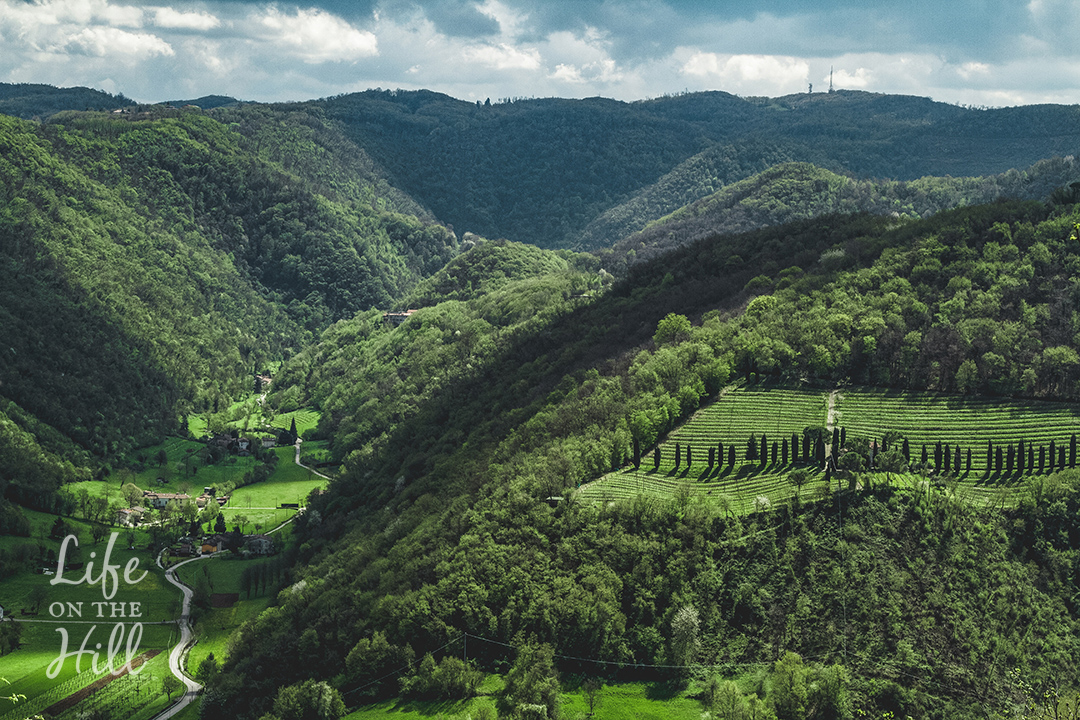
<point x="663" y="690"/>
<point x="431" y="707"/>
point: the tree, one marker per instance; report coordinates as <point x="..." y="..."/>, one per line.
<point x="591" y="689"/>
<point x="684" y="637"/>
<point x="532" y="681"/>
<point x="207" y="670"/>
<point x="799" y="477"/>
<point x="98" y="531"/>
<point x="728" y="702"/>
<point x="132" y="494"/>
<point x="788" y="687"/>
<point x="170" y="684"/>
<point x="671" y="329"/>
<point x="752" y="448"/>
<point x="967" y="377"/>
<point x="828" y="695"/>
<point x="309" y="700"/>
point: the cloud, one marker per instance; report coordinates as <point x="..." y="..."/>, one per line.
<point x="982" y="52"/>
<point x="502" y="57"/>
<point x="461" y="18"/>
<point x="316" y="36"/>
<point x="109" y="41"/>
<point x="738" y="73"/>
<point x="167" y="17"/>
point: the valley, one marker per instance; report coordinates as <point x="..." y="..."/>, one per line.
<point x="606" y="409"/>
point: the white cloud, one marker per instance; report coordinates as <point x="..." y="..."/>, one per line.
<point x="502" y="57"/>
<point x="973" y="69"/>
<point x="760" y="74"/>
<point x="860" y="79"/>
<point x="167" y="17"/>
<point x="567" y="74"/>
<point x="109" y="41"/>
<point x="509" y="21"/>
<point x="316" y="36"/>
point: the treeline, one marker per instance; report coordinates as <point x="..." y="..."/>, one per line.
<point x="30" y="100"/>
<point x="880" y="585"/>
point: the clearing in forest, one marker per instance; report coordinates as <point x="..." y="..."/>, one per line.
<point x="864" y="414"/>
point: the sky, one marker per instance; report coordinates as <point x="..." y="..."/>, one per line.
<point x="971" y="52"/>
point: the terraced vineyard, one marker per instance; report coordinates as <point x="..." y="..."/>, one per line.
<point x="922" y="418"/>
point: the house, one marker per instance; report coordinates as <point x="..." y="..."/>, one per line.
<point x="217" y="542"/>
<point x="396" y="318"/>
<point x="129" y="517"/>
<point x="212" y="543"/>
<point x="206" y="498"/>
<point x="160" y="500"/>
<point x="269" y="442"/>
<point x="259" y="545"/>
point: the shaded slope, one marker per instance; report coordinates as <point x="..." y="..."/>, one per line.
<point x="540" y="171"/>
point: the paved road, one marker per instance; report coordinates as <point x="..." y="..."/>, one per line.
<point x="297" y="461"/>
<point x="176" y="656"/>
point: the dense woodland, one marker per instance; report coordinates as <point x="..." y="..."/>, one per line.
<point x="455" y="470"/>
<point x="157" y="258"/>
<point x="544" y="171"/>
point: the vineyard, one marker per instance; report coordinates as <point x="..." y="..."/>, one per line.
<point x="707" y="456"/>
<point x="101" y="692"/>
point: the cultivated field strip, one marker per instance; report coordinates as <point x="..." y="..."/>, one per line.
<point x="740" y="491"/>
<point x="970" y="422"/>
<point x="739" y="412"/>
<point x="922" y="418"/>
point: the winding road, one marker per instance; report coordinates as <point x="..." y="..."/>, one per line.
<point x="187" y="637"/>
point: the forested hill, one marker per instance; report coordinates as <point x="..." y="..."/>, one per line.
<point x="799" y="191"/>
<point x="540" y="171"/>
<point x="155" y="259"/>
<point x="457" y="428"/>
<point x="26" y="100"/>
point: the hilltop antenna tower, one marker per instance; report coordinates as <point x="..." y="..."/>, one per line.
<point x="830" y="80"/>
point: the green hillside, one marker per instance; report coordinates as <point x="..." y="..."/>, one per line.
<point x="797" y="191"/>
<point x="459" y="510"/>
<point x="508" y="531"/>
<point x="542" y="171"/>
<point x="155" y="259"/>
<point x="31" y="100"/>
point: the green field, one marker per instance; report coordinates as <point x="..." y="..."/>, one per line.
<point x="25" y="668"/>
<point x="923" y="418"/>
<point x="622" y="701"/>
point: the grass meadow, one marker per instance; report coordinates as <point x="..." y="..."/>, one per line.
<point x="621" y="701"/>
